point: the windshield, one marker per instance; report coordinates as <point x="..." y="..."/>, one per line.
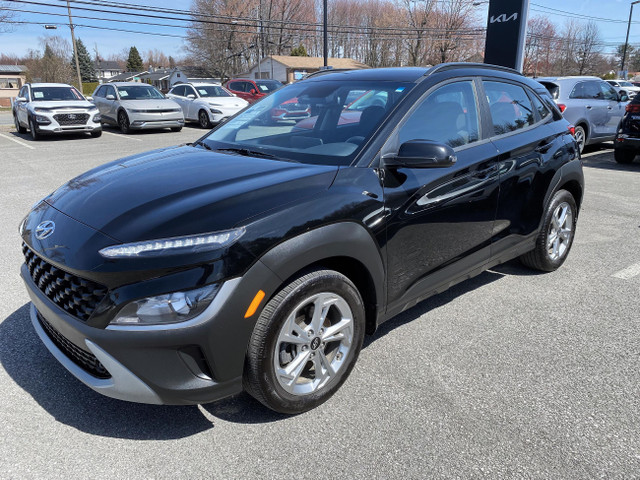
<point x="267" y="86"/>
<point x="331" y="133"/>
<point x="138" y="92"/>
<point x="625" y="84"/>
<point x="54" y="94"/>
<point x="212" y="91"/>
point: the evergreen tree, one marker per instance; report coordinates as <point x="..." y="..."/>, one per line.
<point x="299" y="51"/>
<point x="172" y="62"/>
<point x="134" y="62"/>
<point x="87" y="68"/>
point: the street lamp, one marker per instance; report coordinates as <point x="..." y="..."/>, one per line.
<point x="626" y="42"/>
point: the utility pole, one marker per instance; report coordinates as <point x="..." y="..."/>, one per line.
<point x="75" y="48"/>
<point x="325" y="34"/>
<point x="626" y="42"/>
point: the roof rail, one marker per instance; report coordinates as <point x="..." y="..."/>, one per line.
<point x="453" y="65"/>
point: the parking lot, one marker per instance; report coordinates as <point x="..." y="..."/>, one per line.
<point x="510" y="374"/>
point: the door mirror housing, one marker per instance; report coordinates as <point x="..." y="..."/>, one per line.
<point x="89" y="98"/>
<point x="253" y="91"/>
<point x="20" y="100"/>
<point x="191" y="96"/>
<point x="110" y="97"/>
<point x="623" y="97"/>
<point x="421" y="154"/>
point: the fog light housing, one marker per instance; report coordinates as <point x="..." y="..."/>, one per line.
<point x="165" y="309"/>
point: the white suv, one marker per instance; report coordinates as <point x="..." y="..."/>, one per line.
<point x="206" y="103"/>
<point x="54" y="108"/>
<point x="624" y="87"/>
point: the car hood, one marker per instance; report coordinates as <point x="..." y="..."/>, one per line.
<point x="184" y="190"/>
<point x="151" y="104"/>
<point x="62" y="104"/>
<point x="228" y="102"/>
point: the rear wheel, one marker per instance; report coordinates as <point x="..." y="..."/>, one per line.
<point x="305" y="342"/>
<point x="556" y="235"/>
<point x="203" y="119"/>
<point x="581" y="137"/>
<point x="624" y="155"/>
<point x="123" y="122"/>
<point x="176" y="129"/>
<point x="18" y="125"/>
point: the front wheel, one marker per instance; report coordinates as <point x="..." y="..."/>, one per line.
<point x="203" y="119"/>
<point x="623" y="155"/>
<point x="305" y="342"/>
<point x="556" y="235"/>
<point x="123" y="122"/>
<point x="18" y="125"/>
<point x="34" y="131"/>
<point x="176" y="129"/>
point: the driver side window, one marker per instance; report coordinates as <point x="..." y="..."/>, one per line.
<point x="448" y="115"/>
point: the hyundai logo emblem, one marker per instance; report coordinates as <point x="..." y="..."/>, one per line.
<point x="45" y="230"/>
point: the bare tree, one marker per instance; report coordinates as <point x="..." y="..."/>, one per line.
<point x="588" y="41"/>
<point x="6" y="17"/>
<point x="420" y="16"/>
<point x="53" y="63"/>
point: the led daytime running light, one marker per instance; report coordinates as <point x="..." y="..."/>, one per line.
<point x="192" y="243"/>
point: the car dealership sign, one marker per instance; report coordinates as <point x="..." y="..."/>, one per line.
<point x="506" y="33"/>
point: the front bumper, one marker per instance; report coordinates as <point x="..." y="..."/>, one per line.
<point x="60" y="122"/>
<point x="193" y="362"/>
<point x="140" y="124"/>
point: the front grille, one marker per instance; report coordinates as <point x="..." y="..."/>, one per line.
<point x="85" y="360"/>
<point x="71" y="118"/>
<point x="75" y="295"/>
<point x="294" y="107"/>
<point x="161" y="110"/>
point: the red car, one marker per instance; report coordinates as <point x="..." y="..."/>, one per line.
<point x="252" y="90"/>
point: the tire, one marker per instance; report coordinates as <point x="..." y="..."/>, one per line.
<point x="123" y="122"/>
<point x="34" y="132"/>
<point x="288" y="338"/>
<point x="581" y="137"/>
<point x="556" y="235"/>
<point x="96" y="133"/>
<point x="176" y="129"/>
<point x="624" y="155"/>
<point x="18" y="125"/>
<point x="203" y="119"/>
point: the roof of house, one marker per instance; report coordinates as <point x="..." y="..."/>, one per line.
<point x="13" y="68"/>
<point x="156" y="75"/>
<point x="125" y="76"/>
<point x="316" y="62"/>
<point x="107" y="65"/>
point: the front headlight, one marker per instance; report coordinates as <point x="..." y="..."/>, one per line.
<point x="42" y="119"/>
<point x="170" y="308"/>
<point x="174" y="245"/>
<point x="97" y="117"/>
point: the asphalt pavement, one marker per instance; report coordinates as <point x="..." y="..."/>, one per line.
<point x="513" y="374"/>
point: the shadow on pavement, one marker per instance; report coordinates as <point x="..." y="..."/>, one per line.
<point x="601" y="156"/>
<point x="33" y="368"/>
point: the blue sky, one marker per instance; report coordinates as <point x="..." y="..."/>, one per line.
<point x="612" y="17"/>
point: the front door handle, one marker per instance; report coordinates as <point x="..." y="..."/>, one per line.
<point x="544" y="146"/>
<point x="588" y="107"/>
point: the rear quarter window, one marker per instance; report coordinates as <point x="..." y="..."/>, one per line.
<point x="553" y="89"/>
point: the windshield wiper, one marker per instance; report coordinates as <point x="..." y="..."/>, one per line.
<point x="249" y="153"/>
<point x="202" y="144"/>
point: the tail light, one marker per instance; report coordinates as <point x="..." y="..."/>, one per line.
<point x="562" y="107"/>
<point x="572" y="130"/>
<point x="632" y="108"/>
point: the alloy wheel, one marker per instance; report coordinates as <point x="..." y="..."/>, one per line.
<point x="560" y="231"/>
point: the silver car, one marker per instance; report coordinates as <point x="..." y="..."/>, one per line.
<point x="206" y="103"/>
<point x="131" y="105"/>
<point x="624" y="87"/>
<point x="590" y="104"/>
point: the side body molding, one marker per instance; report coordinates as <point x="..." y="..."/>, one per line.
<point x="344" y="239"/>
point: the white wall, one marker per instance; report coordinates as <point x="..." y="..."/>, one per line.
<point x="279" y="70"/>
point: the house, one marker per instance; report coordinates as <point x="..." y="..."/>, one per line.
<point x="127" y="77"/>
<point x="12" y="77"/>
<point x="288" y="68"/>
<point x="165" y="78"/>
<point x="106" y="70"/>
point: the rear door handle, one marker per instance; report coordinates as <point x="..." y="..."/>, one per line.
<point x="609" y="107"/>
<point x="544" y="146"/>
<point x="588" y="107"/>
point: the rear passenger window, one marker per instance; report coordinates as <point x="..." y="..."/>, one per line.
<point x="448" y="115"/>
<point x="510" y="107"/>
<point x="542" y="110"/>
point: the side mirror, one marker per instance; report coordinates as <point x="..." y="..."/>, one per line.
<point x="421" y="154"/>
<point x="89" y="98"/>
<point x="191" y="96"/>
<point x="20" y="100"/>
<point x="253" y="91"/>
<point x="623" y="97"/>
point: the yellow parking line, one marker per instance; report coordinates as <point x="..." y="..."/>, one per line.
<point x="17" y="141"/>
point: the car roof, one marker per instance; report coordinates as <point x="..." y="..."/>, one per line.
<point x="50" y="85"/>
<point x="569" y="77"/>
<point x="128" y="84"/>
<point x="204" y="84"/>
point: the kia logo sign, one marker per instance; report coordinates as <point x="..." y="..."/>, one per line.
<point x="503" y="18"/>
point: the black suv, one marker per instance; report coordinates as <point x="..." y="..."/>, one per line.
<point x="627" y="141"/>
<point x="259" y="256"/>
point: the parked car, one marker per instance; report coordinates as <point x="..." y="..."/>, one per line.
<point x="627" y="142"/>
<point x="257" y="258"/>
<point x="590" y="104"/>
<point x="53" y="108"/>
<point x="206" y="103"/>
<point x="291" y="110"/>
<point x="252" y="90"/>
<point x="136" y="106"/>
<point x="624" y="87"/>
